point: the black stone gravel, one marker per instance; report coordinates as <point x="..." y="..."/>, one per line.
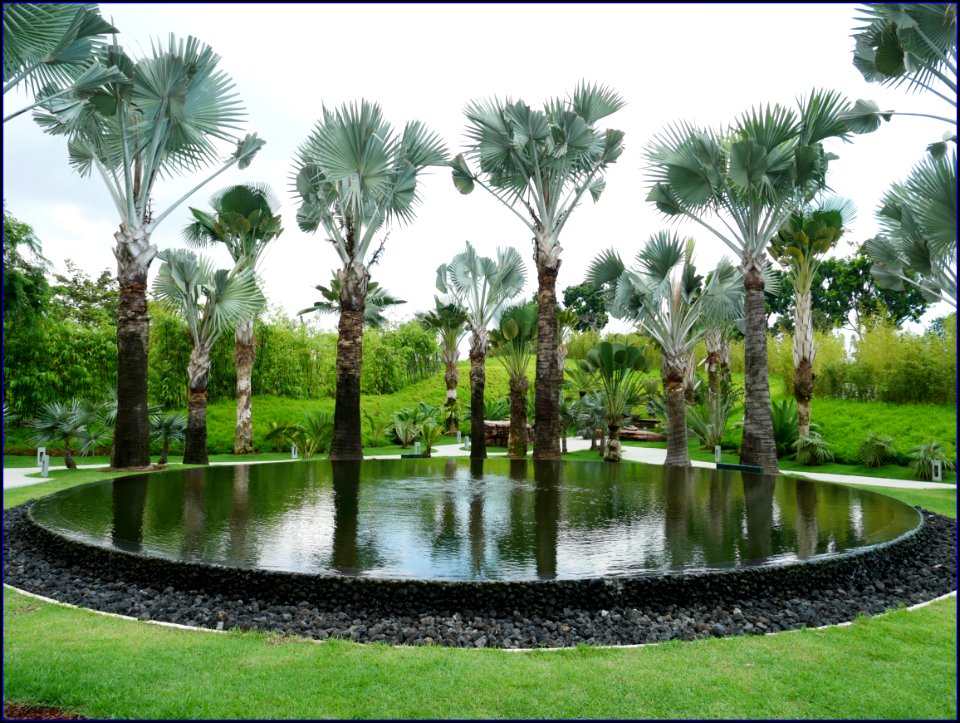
<point x="686" y="607"/>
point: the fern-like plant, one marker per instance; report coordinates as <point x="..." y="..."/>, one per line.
<point x="430" y="432"/>
<point x="924" y="455"/>
<point x="785" y="425"/>
<point x="876" y="450"/>
<point x="812" y="449"/>
<point x="708" y="425"/>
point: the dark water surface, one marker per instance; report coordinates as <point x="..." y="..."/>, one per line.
<point x="457" y="520"/>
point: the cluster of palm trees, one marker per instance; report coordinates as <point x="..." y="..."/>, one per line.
<point x="758" y="180"/>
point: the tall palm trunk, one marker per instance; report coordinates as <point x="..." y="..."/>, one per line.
<point x="546" y="430"/>
<point x="243" y="361"/>
<point x="673" y="382"/>
<point x="713" y="339"/>
<point x="478" y="380"/>
<point x="517" y="444"/>
<point x="613" y="451"/>
<point x="198" y="370"/>
<point x="164" y="450"/>
<point x="132" y="431"/>
<point x="803" y="354"/>
<point x="758" y="446"/>
<point x="725" y="362"/>
<point x="347" y="444"/>
<point x="452" y="378"/>
<point x="690" y="379"/>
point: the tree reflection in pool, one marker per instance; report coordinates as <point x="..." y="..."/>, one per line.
<point x="489" y="519"/>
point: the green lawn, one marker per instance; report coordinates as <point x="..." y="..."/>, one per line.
<point x="899" y="665"/>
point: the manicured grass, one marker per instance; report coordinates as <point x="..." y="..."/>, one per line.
<point x="896" y="666"/>
<point x="943" y="502"/>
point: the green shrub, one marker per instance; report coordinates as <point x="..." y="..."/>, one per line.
<point x="877" y="450"/>
<point x="924" y="455"/>
<point x="812" y="449"/>
<point x="785" y="425"/>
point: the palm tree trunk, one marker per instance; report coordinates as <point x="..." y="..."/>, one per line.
<point x="678" y="454"/>
<point x="803" y="353"/>
<point x="478" y="380"/>
<point x="546" y="430"/>
<point x="164" y="450"/>
<point x="517" y="444"/>
<point x="243" y="361"/>
<point x="758" y="446"/>
<point x="613" y="451"/>
<point x="347" y="443"/>
<point x="452" y="378"/>
<point x="725" y="363"/>
<point x="68" y="454"/>
<point x="198" y="369"/>
<point x="713" y="340"/>
<point x="132" y="431"/>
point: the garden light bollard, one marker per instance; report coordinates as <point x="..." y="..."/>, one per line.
<point x="293" y="451"/>
<point x="938" y="471"/>
<point x="716" y="454"/>
<point x="45" y="465"/>
<point x="459" y="437"/>
<point x="466" y="444"/>
<point x="40" y="452"/>
<point x="416" y="448"/>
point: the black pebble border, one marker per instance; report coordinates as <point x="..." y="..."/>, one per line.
<point x="560" y="613"/>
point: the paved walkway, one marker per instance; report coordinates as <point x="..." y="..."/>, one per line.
<point x="17" y="476"/>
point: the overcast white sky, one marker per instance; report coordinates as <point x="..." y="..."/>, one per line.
<point x="701" y="63"/>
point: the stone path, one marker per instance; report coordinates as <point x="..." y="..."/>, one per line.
<point x="17" y="476"/>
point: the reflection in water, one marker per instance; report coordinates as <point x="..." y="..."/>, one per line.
<point x="547" y="478"/>
<point x="129" y="504"/>
<point x="489" y="519"/>
<point x="346" y="505"/>
<point x="807" y="530"/>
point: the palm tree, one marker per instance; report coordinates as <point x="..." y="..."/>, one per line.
<point x="482" y="287"/>
<point x="918" y="226"/>
<point x="162" y="118"/>
<point x="663" y="296"/>
<point x="450" y="322"/>
<point x="166" y="427"/>
<point x="228" y="297"/>
<point x="723" y="281"/>
<point x="513" y="342"/>
<point x="374" y="303"/>
<point x="242" y="220"/>
<point x="60" y="422"/>
<point x="52" y="49"/>
<point x="617" y="368"/>
<point x="798" y="247"/>
<point x="742" y="185"/>
<point x="542" y="162"/>
<point x="355" y="177"/>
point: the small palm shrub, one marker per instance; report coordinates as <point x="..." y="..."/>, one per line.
<point x="404" y="426"/>
<point x="812" y="450"/>
<point x="430" y="432"/>
<point x="786" y="425"/>
<point x="61" y="422"/>
<point x="166" y="427"/>
<point x="312" y="436"/>
<point x="376" y="436"/>
<point x="709" y="426"/>
<point x="876" y="450"/>
<point x="405" y="431"/>
<point x="924" y="455"/>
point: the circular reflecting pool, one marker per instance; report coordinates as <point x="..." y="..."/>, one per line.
<point x="457" y="520"/>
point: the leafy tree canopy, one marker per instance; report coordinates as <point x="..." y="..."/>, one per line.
<point x="588" y="303"/>
<point x="86" y="301"/>
<point x="25" y="288"/>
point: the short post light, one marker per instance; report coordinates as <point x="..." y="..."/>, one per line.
<point x="416" y="448"/>
<point x="40" y="452"/>
<point x="45" y="465"/>
<point x="938" y="471"/>
<point x="716" y="453"/>
<point x="293" y="451"/>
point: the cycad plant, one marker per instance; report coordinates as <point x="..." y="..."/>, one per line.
<point x="482" y="287"/>
<point x="212" y="302"/>
<point x="617" y="368"/>
<point x="164" y="116"/>
<point x="355" y="178"/>
<point x="540" y="164"/>
<point x="785" y="425"/>
<point x="449" y="322"/>
<point x="799" y="245"/>
<point x="244" y="221"/>
<point x="514" y="343"/>
<point x="741" y="184"/>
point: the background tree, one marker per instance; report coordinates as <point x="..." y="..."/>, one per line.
<point x="60" y="422"/>
<point x="449" y="322"/>
<point x="807" y="235"/>
<point x="355" y="176"/>
<point x="160" y="117"/>
<point x="211" y="301"/>
<point x="588" y="304"/>
<point x="83" y="300"/>
<point x="243" y="221"/>
<point x="514" y="343"/>
<point x="543" y="162"/>
<point x="52" y="50"/>
<point x="749" y="178"/>
<point x="482" y="286"/>
<point x="25" y="287"/>
<point x="168" y="427"/>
